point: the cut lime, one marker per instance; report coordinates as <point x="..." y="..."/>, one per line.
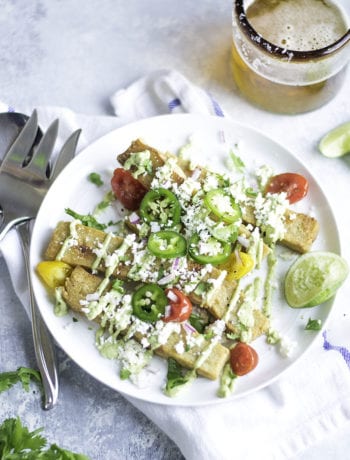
<point x="336" y="143"/>
<point x="314" y="278"/>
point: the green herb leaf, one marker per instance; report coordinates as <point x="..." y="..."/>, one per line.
<point x="18" y="443"/>
<point x="251" y="192"/>
<point x="235" y="162"/>
<point x="198" y="322"/>
<point x="95" y="178"/>
<point x="88" y="219"/>
<point x="177" y="378"/>
<point x="107" y="200"/>
<point x="22" y="374"/>
<point x="313" y="325"/>
<point x="124" y="374"/>
<point x="15" y="438"/>
<point x="118" y="285"/>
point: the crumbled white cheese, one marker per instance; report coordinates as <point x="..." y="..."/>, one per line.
<point x="142" y="162"/>
<point x="287" y="346"/>
<point x="270" y="215"/>
<point x="263" y="175"/>
<point x="180" y="347"/>
<point x="164" y="330"/>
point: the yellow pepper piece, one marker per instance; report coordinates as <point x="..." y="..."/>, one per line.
<point x="53" y="272"/>
<point x="238" y="265"/>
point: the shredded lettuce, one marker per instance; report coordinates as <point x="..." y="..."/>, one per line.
<point x="177" y="378"/>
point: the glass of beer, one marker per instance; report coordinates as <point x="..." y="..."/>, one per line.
<point x="290" y="56"/>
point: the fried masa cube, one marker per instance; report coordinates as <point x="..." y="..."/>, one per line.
<point x="80" y="283"/>
<point x="301" y="230"/>
<point x="81" y="254"/>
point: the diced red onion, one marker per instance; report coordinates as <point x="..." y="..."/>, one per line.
<point x="189" y="328"/>
<point x="134" y="218"/>
<point x="243" y="241"/>
<point x="167" y="311"/>
<point x="171" y="296"/>
<point x="167" y="279"/>
<point x="176" y="263"/>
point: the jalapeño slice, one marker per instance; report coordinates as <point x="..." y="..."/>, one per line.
<point x="223" y="206"/>
<point x="160" y="205"/>
<point x="211" y="251"/>
<point x="167" y="244"/>
<point x="225" y="233"/>
<point x="149" y="302"/>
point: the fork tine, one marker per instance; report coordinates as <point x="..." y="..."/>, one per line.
<point x="39" y="163"/>
<point x="23" y="143"/>
<point x="66" y="154"/>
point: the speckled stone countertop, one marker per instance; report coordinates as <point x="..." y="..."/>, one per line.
<point x="76" y="53"/>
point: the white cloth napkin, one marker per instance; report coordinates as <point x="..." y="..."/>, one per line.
<point x="309" y="401"/>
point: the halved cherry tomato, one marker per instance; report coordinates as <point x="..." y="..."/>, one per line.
<point x="127" y="189"/>
<point x="243" y="358"/>
<point x="53" y="272"/>
<point x="180" y="309"/>
<point x="238" y="265"/>
<point x="295" y="185"/>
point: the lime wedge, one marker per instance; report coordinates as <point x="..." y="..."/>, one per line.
<point x="314" y="278"/>
<point x="336" y="143"/>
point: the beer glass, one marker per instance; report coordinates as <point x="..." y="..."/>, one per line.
<point x="284" y="77"/>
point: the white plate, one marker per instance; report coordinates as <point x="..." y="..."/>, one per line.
<point x="72" y="189"/>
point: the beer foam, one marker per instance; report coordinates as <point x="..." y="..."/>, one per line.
<point x="299" y="25"/>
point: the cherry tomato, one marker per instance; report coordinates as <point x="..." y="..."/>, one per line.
<point x="180" y="309"/>
<point x="127" y="189"/>
<point x="243" y="358"/>
<point x="238" y="265"/>
<point x="295" y="185"/>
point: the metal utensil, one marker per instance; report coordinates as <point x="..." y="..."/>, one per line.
<point x="11" y="124"/>
<point x="25" y="176"/>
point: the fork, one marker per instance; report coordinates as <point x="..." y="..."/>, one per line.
<point x="26" y="174"/>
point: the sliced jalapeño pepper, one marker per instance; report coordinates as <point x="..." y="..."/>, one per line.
<point x="167" y="244"/>
<point x="211" y="251"/>
<point x="223" y="206"/>
<point x="149" y="302"/>
<point x="227" y="233"/>
<point x="160" y="205"/>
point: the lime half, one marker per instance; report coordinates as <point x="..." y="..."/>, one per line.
<point x="314" y="278"/>
<point x="336" y="143"/>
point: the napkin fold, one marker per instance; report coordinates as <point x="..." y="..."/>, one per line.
<point x="309" y="401"/>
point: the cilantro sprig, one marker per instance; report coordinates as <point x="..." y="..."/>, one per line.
<point x="86" y="219"/>
<point x="313" y="325"/>
<point x="234" y="162"/>
<point x="18" y="443"/>
<point x="23" y="375"/>
<point x="95" y="178"/>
